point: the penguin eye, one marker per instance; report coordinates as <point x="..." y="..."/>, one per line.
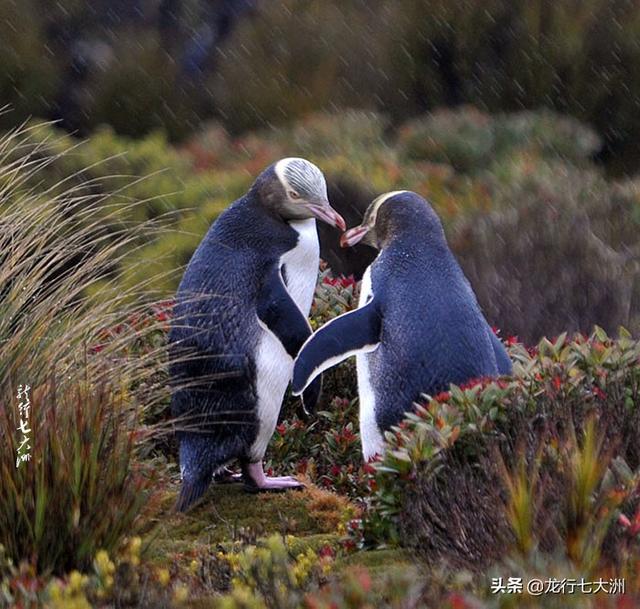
<point x="293" y="194"/>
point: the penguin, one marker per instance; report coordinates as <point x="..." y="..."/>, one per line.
<point x="240" y="318"/>
<point x="418" y="327"/>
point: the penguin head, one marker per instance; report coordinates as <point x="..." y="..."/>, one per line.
<point x="392" y="214"/>
<point x="295" y="189"/>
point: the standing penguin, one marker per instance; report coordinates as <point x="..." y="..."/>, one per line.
<point x="240" y="319"/>
<point x="418" y="326"/>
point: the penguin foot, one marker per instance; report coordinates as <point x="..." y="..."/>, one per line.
<point x="255" y="480"/>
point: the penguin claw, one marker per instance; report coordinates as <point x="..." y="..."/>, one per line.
<point x="226" y="476"/>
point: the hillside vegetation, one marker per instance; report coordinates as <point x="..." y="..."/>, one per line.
<point x="534" y="476"/>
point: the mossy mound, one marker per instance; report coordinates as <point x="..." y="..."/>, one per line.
<point x="227" y="514"/>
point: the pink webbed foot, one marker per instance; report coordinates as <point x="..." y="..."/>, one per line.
<point x="255" y="480"/>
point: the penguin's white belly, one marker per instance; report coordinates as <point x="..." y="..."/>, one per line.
<point x="274" y="366"/>
<point x="370" y="434"/>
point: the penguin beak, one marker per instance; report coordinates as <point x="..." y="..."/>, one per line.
<point x="353" y="235"/>
<point x="323" y="211"/>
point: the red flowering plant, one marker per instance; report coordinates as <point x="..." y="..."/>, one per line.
<point x="570" y="416"/>
<point x="327" y="449"/>
<point x="143" y="331"/>
<point x="333" y="296"/>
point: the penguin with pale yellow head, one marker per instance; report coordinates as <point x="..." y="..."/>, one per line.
<point x="418" y="327"/>
<point x="240" y="319"/>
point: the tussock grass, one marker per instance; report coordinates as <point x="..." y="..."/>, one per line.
<point x="81" y="490"/>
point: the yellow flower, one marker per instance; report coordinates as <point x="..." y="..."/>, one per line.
<point x="55" y="592"/>
<point x="76" y="581"/>
<point x="163" y="576"/>
<point x="134" y="546"/>
<point x="103" y="564"/>
<point x="193" y="566"/>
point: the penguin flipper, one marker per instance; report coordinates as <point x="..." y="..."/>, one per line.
<point x="311" y="395"/>
<point x="279" y="312"/>
<point x="503" y="360"/>
<point x="351" y="333"/>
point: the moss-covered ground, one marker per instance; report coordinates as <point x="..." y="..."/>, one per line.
<point x="227" y="516"/>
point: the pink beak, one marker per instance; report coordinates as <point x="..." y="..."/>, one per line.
<point x="326" y="213"/>
<point x="353" y="236"/>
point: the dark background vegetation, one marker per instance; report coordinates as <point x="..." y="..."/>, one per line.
<point x="519" y="121"/>
<point x="170" y="64"/>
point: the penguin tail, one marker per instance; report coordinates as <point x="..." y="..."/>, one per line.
<point x="190" y="492"/>
<point x="196" y="470"/>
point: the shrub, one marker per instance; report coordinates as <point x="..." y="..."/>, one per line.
<point x="558" y="253"/>
<point x="30" y="76"/>
<point x="78" y="489"/>
<point x="356" y="589"/>
<point x="276" y="67"/>
<point x="543" y="462"/>
<point x="326" y="446"/>
<point x="471" y="140"/>
<point x="139" y="181"/>
<point x="422" y="55"/>
<point x="295" y="57"/>
<point x="268" y="576"/>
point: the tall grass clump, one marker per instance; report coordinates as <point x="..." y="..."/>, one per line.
<point x="80" y="488"/>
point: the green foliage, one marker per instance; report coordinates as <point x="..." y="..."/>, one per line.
<point x="29" y="75"/>
<point x="511" y="210"/>
<point x="132" y="182"/>
<point x="80" y="477"/>
<point x="299" y="57"/>
<point x="140" y="91"/>
<point x="470" y="140"/>
<point x="530" y="218"/>
<point x="267" y="576"/>
<point x="326" y="446"/>
<point x="356" y="589"/>
<point x="327" y="449"/>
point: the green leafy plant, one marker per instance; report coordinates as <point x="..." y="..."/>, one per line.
<point x="268" y="576"/>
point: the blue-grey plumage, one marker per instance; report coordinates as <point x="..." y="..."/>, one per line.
<point x="418" y="327"/>
<point x="240" y="318"/>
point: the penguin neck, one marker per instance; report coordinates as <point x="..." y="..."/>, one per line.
<point x="303" y="226"/>
<point x="417" y="243"/>
<point x="257" y="224"/>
